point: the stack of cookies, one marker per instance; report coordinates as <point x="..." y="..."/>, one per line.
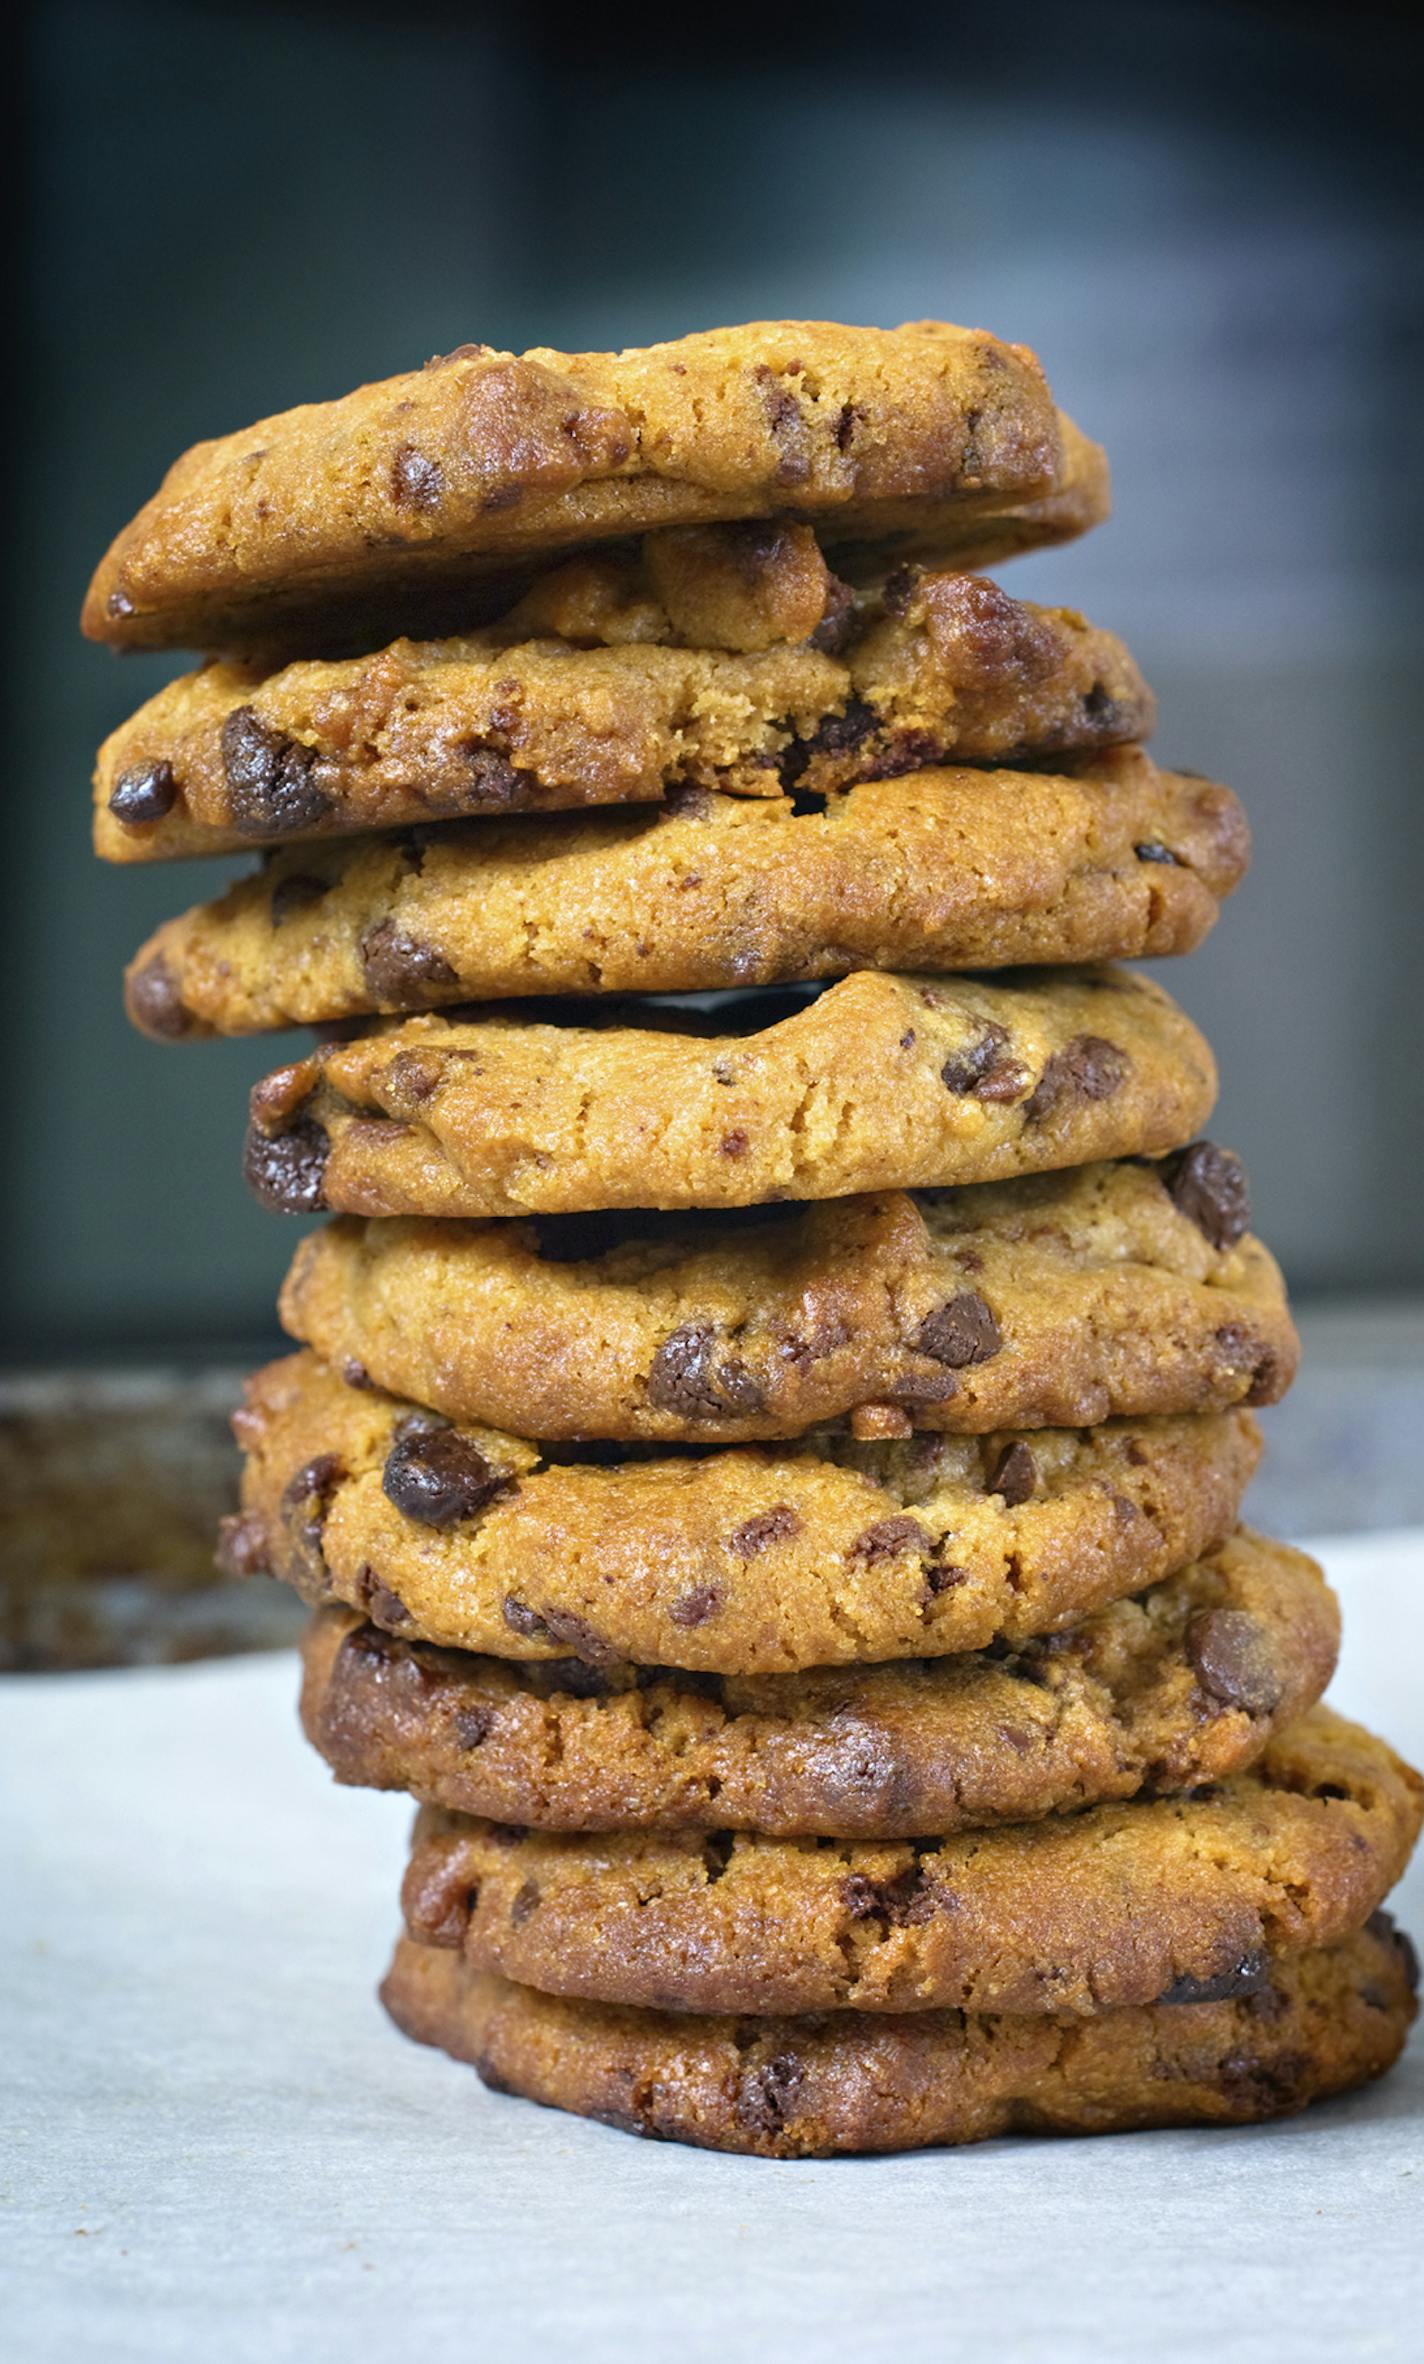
<point x="766" y="1472"/>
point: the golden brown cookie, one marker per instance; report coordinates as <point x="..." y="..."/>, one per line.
<point x="1314" y="2024"/>
<point x="1055" y="1301"/>
<point x="945" y="870"/>
<point x="1180" y="1686"/>
<point x="592" y="693"/>
<point x="407" y="494"/>
<point x="879" y="1083"/>
<point x="1163" y="1899"/>
<point x="750" y="1560"/>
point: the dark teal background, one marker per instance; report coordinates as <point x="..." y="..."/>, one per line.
<point x="1207" y="219"/>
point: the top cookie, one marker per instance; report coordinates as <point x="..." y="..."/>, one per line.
<point x="323" y="524"/>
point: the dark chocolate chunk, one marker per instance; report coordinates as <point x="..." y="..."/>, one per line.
<point x="563" y="1626"/>
<point x="1209" y="1186"/>
<point x="1087" y="1068"/>
<point x="1153" y="850"/>
<point x="306" y="1499"/>
<point x="1015" y="1474"/>
<point x="1231" y="1658"/>
<point x="889" y="1537"/>
<point x="686" y="1377"/>
<point x="286" y="1170"/>
<point x="960" y="1332"/>
<point x="766" y="2098"/>
<point x="154" y="1000"/>
<point x="399" y="970"/>
<point x="1246" y="1977"/>
<point x="982" y="1068"/>
<point x="145" y="792"/>
<point x="695" y="1607"/>
<point x="438" y="1477"/>
<point x="769" y="1526"/>
<point x="273" y="784"/>
<point x="495" y="785"/>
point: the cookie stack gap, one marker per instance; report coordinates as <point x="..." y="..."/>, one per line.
<point x="767" y="1475"/>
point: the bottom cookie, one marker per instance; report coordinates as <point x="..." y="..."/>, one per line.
<point x="849" y="2081"/>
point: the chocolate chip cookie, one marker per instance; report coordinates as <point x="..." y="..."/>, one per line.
<point x="1057" y="1300"/>
<point x="1157" y="1900"/>
<point x="879" y="1083"/>
<point x="940" y="871"/>
<point x="596" y="690"/>
<point x="1312" y="2024"/>
<point x="1180" y="1686"/>
<point x="742" y="1561"/>
<point x="329" y="521"/>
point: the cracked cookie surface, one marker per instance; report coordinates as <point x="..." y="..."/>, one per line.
<point x="330" y="520"/>
<point x="880" y="1082"/>
<point x="944" y="870"/>
<point x="1318" y="2023"/>
<point x="1121" y="1905"/>
<point x="1179" y="1686"/>
<point x="746" y="1560"/>
<point x="1058" y="1300"/>
<point x="601" y="689"/>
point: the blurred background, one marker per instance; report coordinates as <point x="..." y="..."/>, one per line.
<point x="1207" y="218"/>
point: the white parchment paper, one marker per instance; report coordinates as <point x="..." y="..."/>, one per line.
<point x="216" y="2148"/>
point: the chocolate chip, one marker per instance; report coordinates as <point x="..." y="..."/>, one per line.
<point x="1087" y="1068"/>
<point x="473" y="1725"/>
<point x="1100" y="706"/>
<point x="154" y="1000"/>
<point x="941" y="1576"/>
<point x="306" y="1500"/>
<point x="571" y="1632"/>
<point x="242" y="1546"/>
<point x="526" y="1901"/>
<point x="417" y="482"/>
<point x="900" y="1902"/>
<point x="384" y="1607"/>
<point x="695" y="1607"/>
<point x="766" y="2097"/>
<point x="1152" y="850"/>
<point x="145" y="792"/>
<point x="789" y="431"/>
<point x="960" y="1332"/>
<point x="1231" y="1657"/>
<point x="839" y="734"/>
<point x="888" y="1538"/>
<point x="735" y="1143"/>
<point x="273" y="790"/>
<point x="838" y="622"/>
<point x="399" y="970"/>
<point x="1015" y="1474"/>
<point x="1257" y="2086"/>
<point x="686" y="1377"/>
<point x="286" y="1170"/>
<point x="1246" y="1977"/>
<point x="494" y="784"/>
<point x="296" y="892"/>
<point x="982" y="1069"/>
<point x="769" y="1526"/>
<point x="1209" y="1186"/>
<point x="438" y="1477"/>
<point x="848" y="419"/>
<point x="356" y="1375"/>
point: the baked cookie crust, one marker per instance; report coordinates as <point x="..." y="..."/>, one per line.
<point x="880" y="1083"/>
<point x="1180" y="1686"/>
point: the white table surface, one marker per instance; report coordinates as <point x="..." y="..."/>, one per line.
<point x="216" y="2148"/>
